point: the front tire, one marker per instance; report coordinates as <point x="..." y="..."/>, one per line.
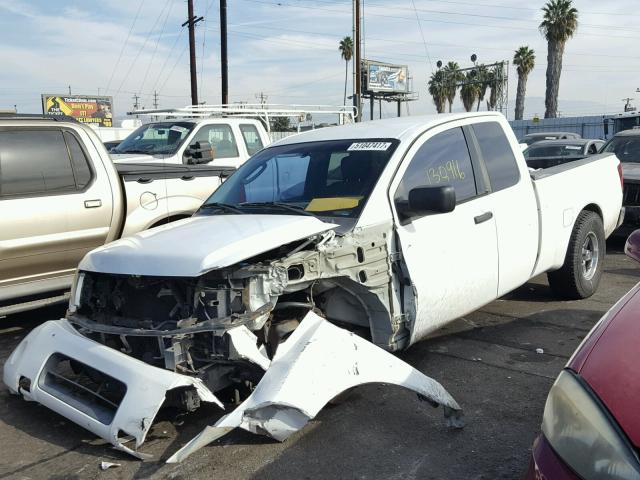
<point x="580" y="274"/>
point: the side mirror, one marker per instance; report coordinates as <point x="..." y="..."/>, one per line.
<point x="199" y="152"/>
<point x="426" y="200"/>
<point x="632" y="247"/>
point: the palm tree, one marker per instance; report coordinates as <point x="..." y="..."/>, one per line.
<point x="452" y="75"/>
<point x="482" y="75"/>
<point x="437" y="90"/>
<point x="492" y="82"/>
<point x="346" y="52"/>
<point x="525" y="60"/>
<point x="559" y="23"/>
<point x="469" y="91"/>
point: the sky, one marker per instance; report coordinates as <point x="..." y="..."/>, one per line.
<point x="288" y="50"/>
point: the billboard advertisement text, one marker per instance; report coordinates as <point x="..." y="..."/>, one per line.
<point x="92" y="109"/>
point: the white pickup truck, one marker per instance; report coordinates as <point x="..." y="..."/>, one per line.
<point x="220" y="142"/>
<point x="316" y="258"/>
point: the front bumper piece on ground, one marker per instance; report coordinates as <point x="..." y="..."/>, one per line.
<point x="315" y="364"/>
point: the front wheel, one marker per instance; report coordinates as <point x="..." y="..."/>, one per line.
<point x="580" y="274"/>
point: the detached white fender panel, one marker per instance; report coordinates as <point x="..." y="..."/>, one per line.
<point x="315" y="364"/>
<point x="146" y="386"/>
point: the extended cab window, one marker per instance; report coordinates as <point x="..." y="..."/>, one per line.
<point x="442" y="160"/>
<point x="79" y="161"/>
<point x="251" y="138"/>
<point x="221" y="138"/>
<point x="34" y="162"/>
<point x="497" y="155"/>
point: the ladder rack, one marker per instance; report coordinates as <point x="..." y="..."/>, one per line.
<point x="264" y="112"/>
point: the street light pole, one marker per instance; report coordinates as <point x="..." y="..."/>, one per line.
<point x="223" y="52"/>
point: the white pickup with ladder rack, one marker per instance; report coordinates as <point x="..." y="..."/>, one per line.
<point x="346" y="114"/>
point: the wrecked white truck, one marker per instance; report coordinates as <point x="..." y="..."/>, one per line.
<point x="296" y="279"/>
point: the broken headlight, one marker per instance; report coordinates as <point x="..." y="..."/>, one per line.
<point x="584" y="435"/>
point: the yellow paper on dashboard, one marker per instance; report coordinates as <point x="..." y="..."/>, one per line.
<point x="332" y="203"/>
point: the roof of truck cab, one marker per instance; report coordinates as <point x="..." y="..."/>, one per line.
<point x="548" y="134"/>
<point x="400" y="128"/>
<point x="228" y="120"/>
<point x="633" y="132"/>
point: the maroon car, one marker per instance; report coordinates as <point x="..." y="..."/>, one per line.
<point x="591" y="421"/>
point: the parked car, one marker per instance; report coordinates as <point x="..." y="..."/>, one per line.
<point x="532" y="138"/>
<point x="61" y="196"/>
<point x="388" y="228"/>
<point x="591" y="426"/>
<point x="626" y="146"/>
<point x="548" y="153"/>
<point x="231" y="141"/>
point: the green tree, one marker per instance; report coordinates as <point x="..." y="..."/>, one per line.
<point x="280" y="124"/>
<point x="469" y="91"/>
<point x="452" y="76"/>
<point x="525" y="59"/>
<point x="437" y="90"/>
<point x="559" y="23"/>
<point x="482" y="74"/>
<point x="346" y="52"/>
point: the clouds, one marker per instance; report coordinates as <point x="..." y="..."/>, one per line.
<point x="289" y="48"/>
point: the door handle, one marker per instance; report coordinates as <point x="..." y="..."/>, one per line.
<point x="92" y="203"/>
<point x="144" y="180"/>
<point x="483" y="218"/>
<point x="187" y="177"/>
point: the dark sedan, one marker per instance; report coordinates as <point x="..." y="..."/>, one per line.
<point x="591" y="422"/>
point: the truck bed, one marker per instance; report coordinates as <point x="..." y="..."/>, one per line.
<point x="590" y="182"/>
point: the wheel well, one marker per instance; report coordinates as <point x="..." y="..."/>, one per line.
<point x="169" y="219"/>
<point x="592" y="207"/>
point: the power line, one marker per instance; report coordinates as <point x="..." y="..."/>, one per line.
<point x="113" y="71"/>
<point x="424" y="42"/>
<point x="135" y="60"/>
<point x="164" y="24"/>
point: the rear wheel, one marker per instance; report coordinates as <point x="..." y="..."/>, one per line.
<point x="580" y="274"/>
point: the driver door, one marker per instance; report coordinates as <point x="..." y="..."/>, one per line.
<point x="451" y="258"/>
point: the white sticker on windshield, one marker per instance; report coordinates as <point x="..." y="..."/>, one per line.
<point x="369" y="146"/>
<point x="178" y="128"/>
<point x="573" y="147"/>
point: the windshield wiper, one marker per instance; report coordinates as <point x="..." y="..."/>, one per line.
<point x="280" y="205"/>
<point x="145" y="152"/>
<point x="221" y="206"/>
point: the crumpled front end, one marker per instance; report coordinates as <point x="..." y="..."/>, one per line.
<point x="278" y="335"/>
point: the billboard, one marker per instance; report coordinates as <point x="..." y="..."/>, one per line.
<point x="93" y="109"/>
<point x="384" y="77"/>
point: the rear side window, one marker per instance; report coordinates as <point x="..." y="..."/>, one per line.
<point x="79" y="161"/>
<point x="34" y="162"/>
<point x="221" y="139"/>
<point x="497" y="155"/>
<point x="251" y="138"/>
<point x="442" y="160"/>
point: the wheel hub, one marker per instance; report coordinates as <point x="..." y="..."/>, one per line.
<point x="590" y="256"/>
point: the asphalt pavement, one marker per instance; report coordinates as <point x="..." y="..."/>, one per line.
<point x="487" y="360"/>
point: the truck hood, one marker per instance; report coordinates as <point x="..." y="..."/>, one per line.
<point x="631" y="171"/>
<point x="136" y="158"/>
<point x="196" y="245"/>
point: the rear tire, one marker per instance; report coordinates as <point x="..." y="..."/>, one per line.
<point x="580" y="274"/>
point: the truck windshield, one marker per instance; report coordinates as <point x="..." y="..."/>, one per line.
<point x="327" y="178"/>
<point x="156" y="138"/>
<point x="626" y="148"/>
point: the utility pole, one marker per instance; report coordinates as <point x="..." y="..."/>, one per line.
<point x="69" y="89"/>
<point x="155" y="99"/>
<point x="224" y="68"/>
<point x="135" y="101"/>
<point x="262" y="97"/>
<point x="191" y="21"/>
<point x="357" y="78"/>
